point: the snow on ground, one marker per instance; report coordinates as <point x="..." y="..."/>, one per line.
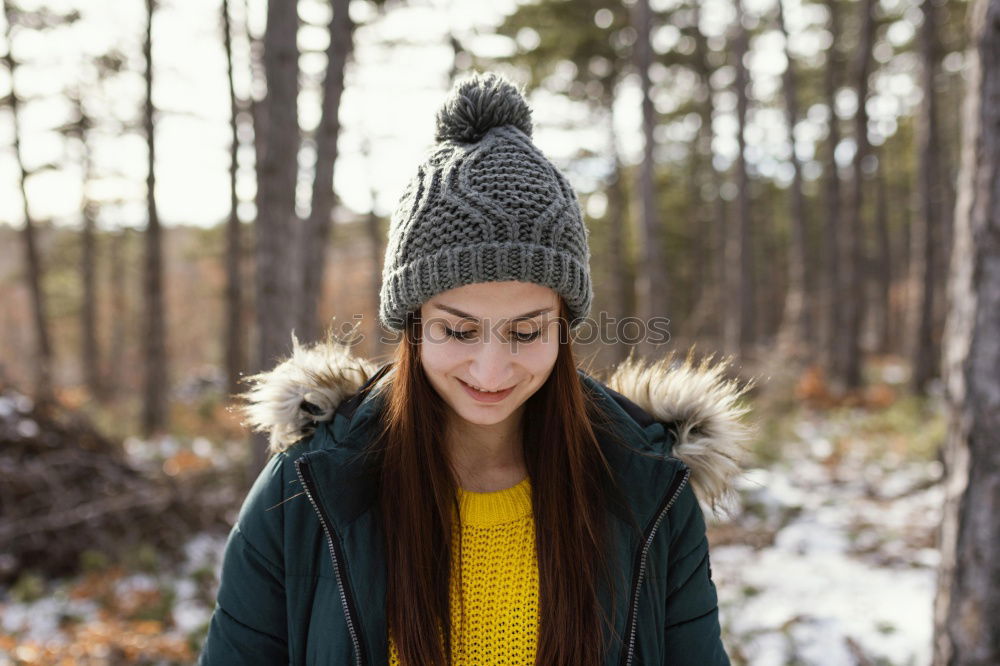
<point x="112" y="616"/>
<point x="847" y="575"/>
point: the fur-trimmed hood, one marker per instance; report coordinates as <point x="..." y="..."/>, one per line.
<point x="705" y="408"/>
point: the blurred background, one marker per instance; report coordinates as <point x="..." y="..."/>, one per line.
<point x="184" y="183"/>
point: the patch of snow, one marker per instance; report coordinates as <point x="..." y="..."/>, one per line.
<point x="851" y="571"/>
<point x="23" y="403"/>
<point x="202" y="447"/>
<point x="190" y="615"/>
<point x="204" y="550"/>
<point x="766" y="649"/>
<point x="27" y="428"/>
<point x="42" y="620"/>
<point x="817" y="641"/>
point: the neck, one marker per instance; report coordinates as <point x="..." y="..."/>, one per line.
<point x="486" y="458"/>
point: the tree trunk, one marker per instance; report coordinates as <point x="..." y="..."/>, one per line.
<point x="616" y="217"/>
<point x="950" y="142"/>
<point x="32" y="262"/>
<point x="119" y="313"/>
<point x="375" y="240"/>
<point x="902" y="267"/>
<point x="829" y="338"/>
<point x="924" y="353"/>
<point x="258" y="115"/>
<point x="884" y="266"/>
<point x="651" y="283"/>
<point x="90" y="362"/>
<point x="968" y="600"/>
<point x="708" y="304"/>
<point x="771" y="280"/>
<point x="697" y="221"/>
<point x="234" y="341"/>
<point x="794" y="323"/>
<point x="316" y="234"/>
<point x="848" y="375"/>
<point x="154" y="409"/>
<point x="739" y="246"/>
<point x="258" y="120"/>
<point x="376" y="243"/>
<point x="89" y="351"/>
<point x="276" y="180"/>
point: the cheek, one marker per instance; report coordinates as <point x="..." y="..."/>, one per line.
<point x="439" y="356"/>
<point x="537" y="358"/>
<point x="430" y="356"/>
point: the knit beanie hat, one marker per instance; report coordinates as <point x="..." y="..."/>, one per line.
<point x="486" y="205"/>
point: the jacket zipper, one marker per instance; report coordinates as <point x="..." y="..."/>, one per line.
<point x="634" y="606"/>
<point x="344" y="601"/>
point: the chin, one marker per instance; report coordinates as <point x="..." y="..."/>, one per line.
<point x="479" y="414"/>
<point x="481" y="419"/>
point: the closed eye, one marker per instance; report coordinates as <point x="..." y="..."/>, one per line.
<point x="526" y="337"/>
<point x="458" y="335"/>
<point x="467" y="335"/>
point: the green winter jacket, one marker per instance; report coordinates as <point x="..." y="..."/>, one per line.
<point x="303" y="577"/>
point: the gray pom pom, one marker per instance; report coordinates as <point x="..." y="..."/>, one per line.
<point x="478" y="104"/>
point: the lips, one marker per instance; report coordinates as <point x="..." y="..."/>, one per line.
<point x="482" y="396"/>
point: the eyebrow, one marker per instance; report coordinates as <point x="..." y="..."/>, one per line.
<point x="466" y="315"/>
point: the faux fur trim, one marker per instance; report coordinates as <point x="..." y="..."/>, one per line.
<point x="706" y="407"/>
<point x="707" y="410"/>
<point x="306" y="388"/>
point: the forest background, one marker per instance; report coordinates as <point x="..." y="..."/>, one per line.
<point x="183" y="184"/>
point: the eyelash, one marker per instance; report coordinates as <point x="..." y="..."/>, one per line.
<point x="520" y="337"/>
<point x="458" y="335"/>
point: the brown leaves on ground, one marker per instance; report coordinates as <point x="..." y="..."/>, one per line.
<point x="185" y="461"/>
<point x="106" y="641"/>
<point x="813" y="389"/>
<point x="120" y="633"/>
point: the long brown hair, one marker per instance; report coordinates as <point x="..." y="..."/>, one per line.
<point x="418" y="500"/>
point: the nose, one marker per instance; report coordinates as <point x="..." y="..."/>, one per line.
<point x="491" y="363"/>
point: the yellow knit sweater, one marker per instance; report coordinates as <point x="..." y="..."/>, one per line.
<point x="499" y="579"/>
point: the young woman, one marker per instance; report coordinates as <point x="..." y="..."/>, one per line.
<point x="479" y="499"/>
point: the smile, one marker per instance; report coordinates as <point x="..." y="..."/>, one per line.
<point x="486" y="396"/>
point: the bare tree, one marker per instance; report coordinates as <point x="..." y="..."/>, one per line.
<point x="616" y="217"/>
<point x="848" y="372"/>
<point x="154" y="408"/>
<point x="968" y="599"/>
<point x="376" y="243"/>
<point x="924" y="352"/>
<point x="234" y="341"/>
<point x="881" y="313"/>
<point x="119" y="311"/>
<point x="277" y="173"/>
<point x="78" y="128"/>
<point x="739" y="329"/>
<point x="832" y="260"/>
<point x="89" y="349"/>
<point x="897" y="189"/>
<point x="316" y="234"/>
<point x="708" y="306"/>
<point x="795" y="324"/>
<point x="651" y="283"/>
<point x="33" y="264"/>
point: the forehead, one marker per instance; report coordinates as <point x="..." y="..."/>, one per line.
<point x="495" y="299"/>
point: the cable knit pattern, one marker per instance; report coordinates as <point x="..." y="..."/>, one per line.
<point x="485" y="206"/>
<point x="499" y="580"/>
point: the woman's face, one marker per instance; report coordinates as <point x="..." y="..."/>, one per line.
<point x="496" y="336"/>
